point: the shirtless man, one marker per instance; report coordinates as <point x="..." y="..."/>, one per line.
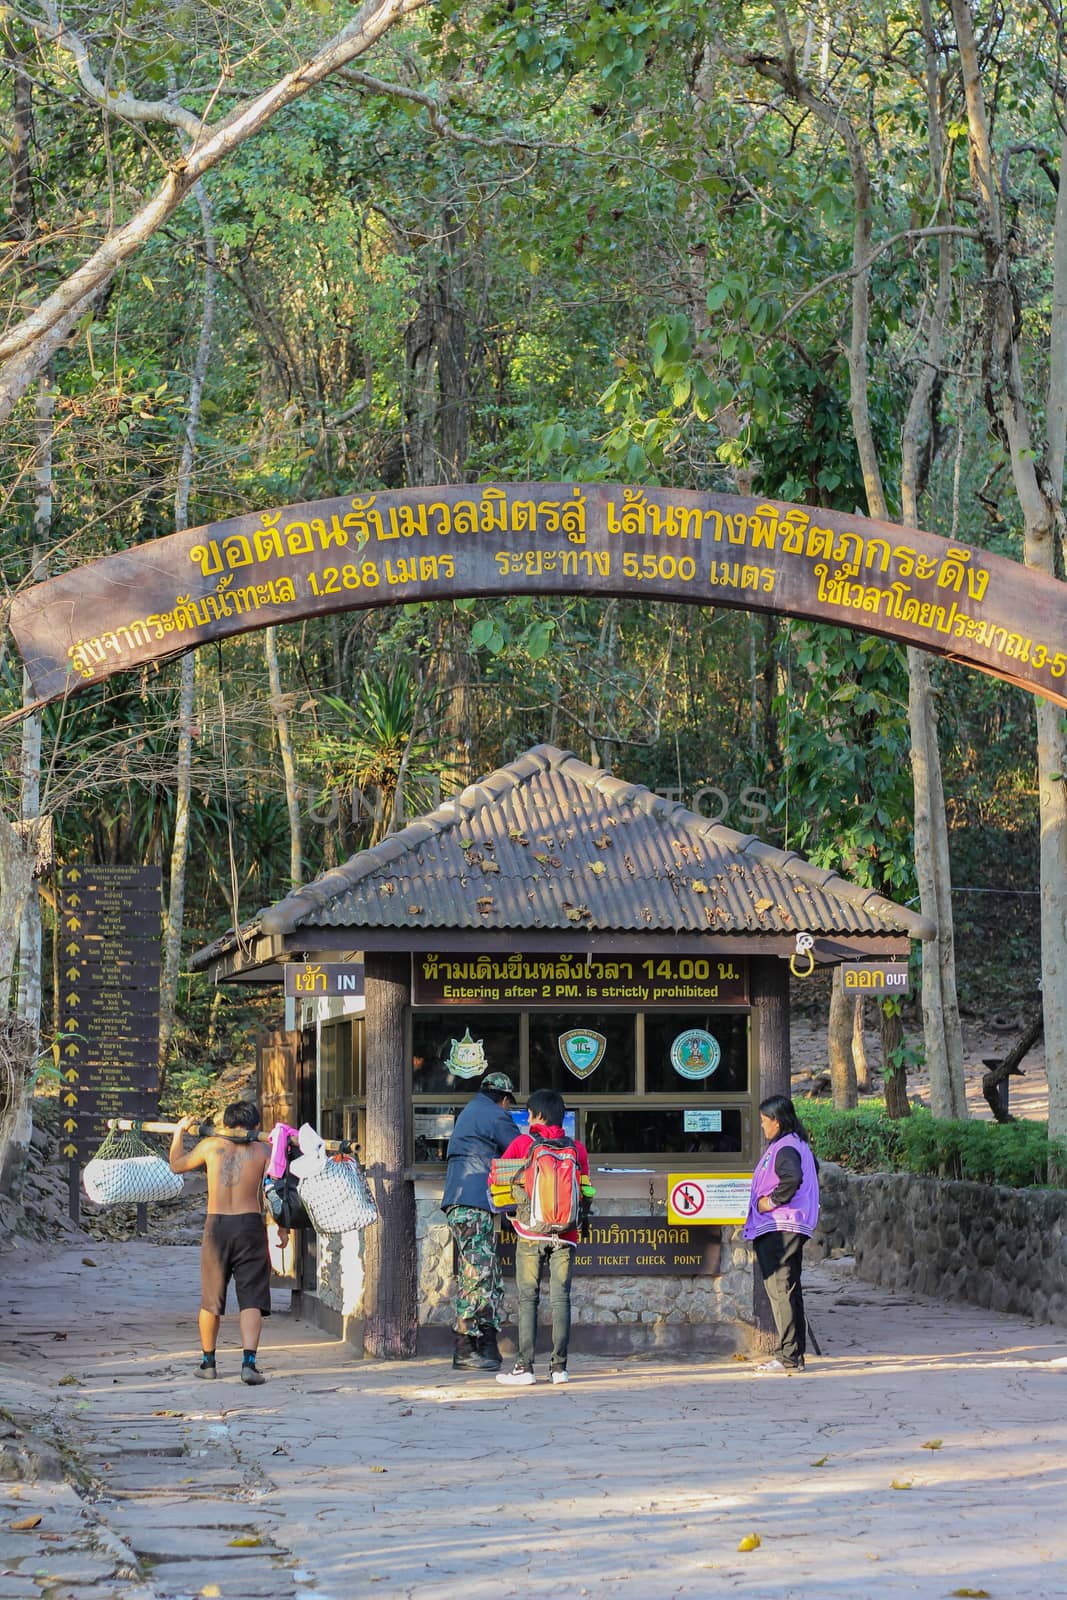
<point x="235" y="1239"/>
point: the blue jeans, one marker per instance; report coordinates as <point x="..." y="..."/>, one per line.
<point x="531" y="1256"/>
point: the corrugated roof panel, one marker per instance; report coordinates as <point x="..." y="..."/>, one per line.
<point x="548" y="842"/>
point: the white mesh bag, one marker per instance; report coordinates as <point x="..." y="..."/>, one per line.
<point x="337" y="1197"/>
<point x="126" y="1171"/>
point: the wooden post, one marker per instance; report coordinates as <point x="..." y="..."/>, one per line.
<point x="390" y="1306"/>
<point x="769" y="979"/>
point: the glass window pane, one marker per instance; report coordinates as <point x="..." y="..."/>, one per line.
<point x="440" y="1037"/>
<point x="615" y="1073"/>
<point x="651" y="1131"/>
<point x="664" y="1030"/>
<point x="432" y="1127"/>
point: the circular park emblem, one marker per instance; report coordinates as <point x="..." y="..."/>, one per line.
<point x="695" y="1054"/>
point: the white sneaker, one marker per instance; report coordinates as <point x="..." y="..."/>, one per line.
<point x="519" y="1375"/>
<point x="560" y="1375"/>
<point x="774" y="1365"/>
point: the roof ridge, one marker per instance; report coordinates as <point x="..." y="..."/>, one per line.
<point x="285" y="915"/>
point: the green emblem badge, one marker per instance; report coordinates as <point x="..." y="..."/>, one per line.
<point x="695" y="1054"/>
<point x="582" y="1050"/>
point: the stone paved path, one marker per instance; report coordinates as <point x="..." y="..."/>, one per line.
<point x="342" y="1478"/>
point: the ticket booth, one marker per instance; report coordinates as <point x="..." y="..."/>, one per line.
<point x="580" y="933"/>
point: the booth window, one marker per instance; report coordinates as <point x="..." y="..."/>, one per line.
<point x="616" y="1074"/>
<point x="662" y="1031"/>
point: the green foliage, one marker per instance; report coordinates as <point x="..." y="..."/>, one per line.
<point x="863" y="1140"/>
<point x="1015" y="1154"/>
<point x="849" y="793"/>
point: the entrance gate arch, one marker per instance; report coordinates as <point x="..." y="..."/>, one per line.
<point x="294" y="562"/>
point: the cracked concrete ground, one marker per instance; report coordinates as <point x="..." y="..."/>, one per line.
<point x="925" y="1454"/>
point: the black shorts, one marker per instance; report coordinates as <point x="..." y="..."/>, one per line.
<point x="235" y="1247"/>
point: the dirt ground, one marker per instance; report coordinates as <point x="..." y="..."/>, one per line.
<point x="982" y="1038"/>
<point x="922" y="1455"/>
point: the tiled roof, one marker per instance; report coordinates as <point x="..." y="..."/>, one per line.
<point x="551" y="843"/>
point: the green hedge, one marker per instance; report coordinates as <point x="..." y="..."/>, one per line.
<point x="1015" y="1154"/>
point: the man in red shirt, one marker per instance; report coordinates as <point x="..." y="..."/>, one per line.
<point x="546" y="1112"/>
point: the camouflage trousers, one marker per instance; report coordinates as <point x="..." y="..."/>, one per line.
<point x="480" y="1291"/>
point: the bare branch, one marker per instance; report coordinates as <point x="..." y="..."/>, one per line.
<point x="21" y="357"/>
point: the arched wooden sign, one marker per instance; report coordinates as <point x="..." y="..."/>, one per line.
<point x="161" y="599"/>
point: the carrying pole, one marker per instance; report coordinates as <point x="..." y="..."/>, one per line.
<point x="207" y="1130"/>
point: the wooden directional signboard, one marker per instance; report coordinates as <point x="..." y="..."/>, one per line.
<point x="109" y="969"/>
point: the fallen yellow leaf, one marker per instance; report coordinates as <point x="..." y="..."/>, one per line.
<point x="211" y="1591"/>
<point x="24" y="1524"/>
<point x="899" y="1483"/>
<point x="975" y="1594"/>
<point x="246" y="1544"/>
<point x="751" y="1541"/>
<point x="379" y="1469"/>
<point x="931" y="1444"/>
<point x="821" y="1461"/>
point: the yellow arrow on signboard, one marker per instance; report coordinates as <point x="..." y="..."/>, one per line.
<point x="72" y="1049"/>
<point x="74" y="899"/>
<point x="70" y="1099"/>
<point x="71" y="1024"/>
<point x="70" y="1126"/>
<point x="73" y="973"/>
<point x="71" y="1075"/>
<point x="73" y="924"/>
<point x="72" y="875"/>
<point x="73" y="949"/>
<point x="70" y="1150"/>
<point x="73" y="1000"/>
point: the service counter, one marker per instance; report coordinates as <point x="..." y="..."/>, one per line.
<point x="640" y="1283"/>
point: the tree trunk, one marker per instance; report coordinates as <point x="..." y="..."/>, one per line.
<point x="30" y="941"/>
<point x="859" y="1045"/>
<point x="942" y="1034"/>
<point x="174" y="917"/>
<point x="390" y="1327"/>
<point x="1039" y="486"/>
<point x="894" y="1069"/>
<point x="769" y="979"/>
<point x="285" y="748"/>
<point x="940" y="1009"/>
<point x="839" y="1047"/>
<point x="435" y="345"/>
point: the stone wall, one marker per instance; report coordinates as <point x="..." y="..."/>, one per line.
<point x="612" y="1314"/>
<point x="1003" y="1249"/>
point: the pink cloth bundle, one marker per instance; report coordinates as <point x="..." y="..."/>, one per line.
<point x="280" y="1135"/>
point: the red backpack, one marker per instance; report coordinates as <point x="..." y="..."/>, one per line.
<point x="548" y="1187"/>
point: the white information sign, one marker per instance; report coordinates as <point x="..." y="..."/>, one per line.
<point x="702" y="1121"/>
<point x="697" y="1197"/>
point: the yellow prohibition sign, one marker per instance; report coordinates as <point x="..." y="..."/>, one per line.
<point x="694" y="1198"/>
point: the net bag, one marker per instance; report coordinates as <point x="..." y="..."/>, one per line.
<point x="337" y="1197"/>
<point x="127" y="1171"/>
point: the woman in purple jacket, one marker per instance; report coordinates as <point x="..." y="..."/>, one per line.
<point x="783" y="1209"/>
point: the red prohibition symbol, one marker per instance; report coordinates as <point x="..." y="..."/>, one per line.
<point x="687" y="1199"/>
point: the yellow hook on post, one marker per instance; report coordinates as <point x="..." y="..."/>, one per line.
<point x="804" y="944"/>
